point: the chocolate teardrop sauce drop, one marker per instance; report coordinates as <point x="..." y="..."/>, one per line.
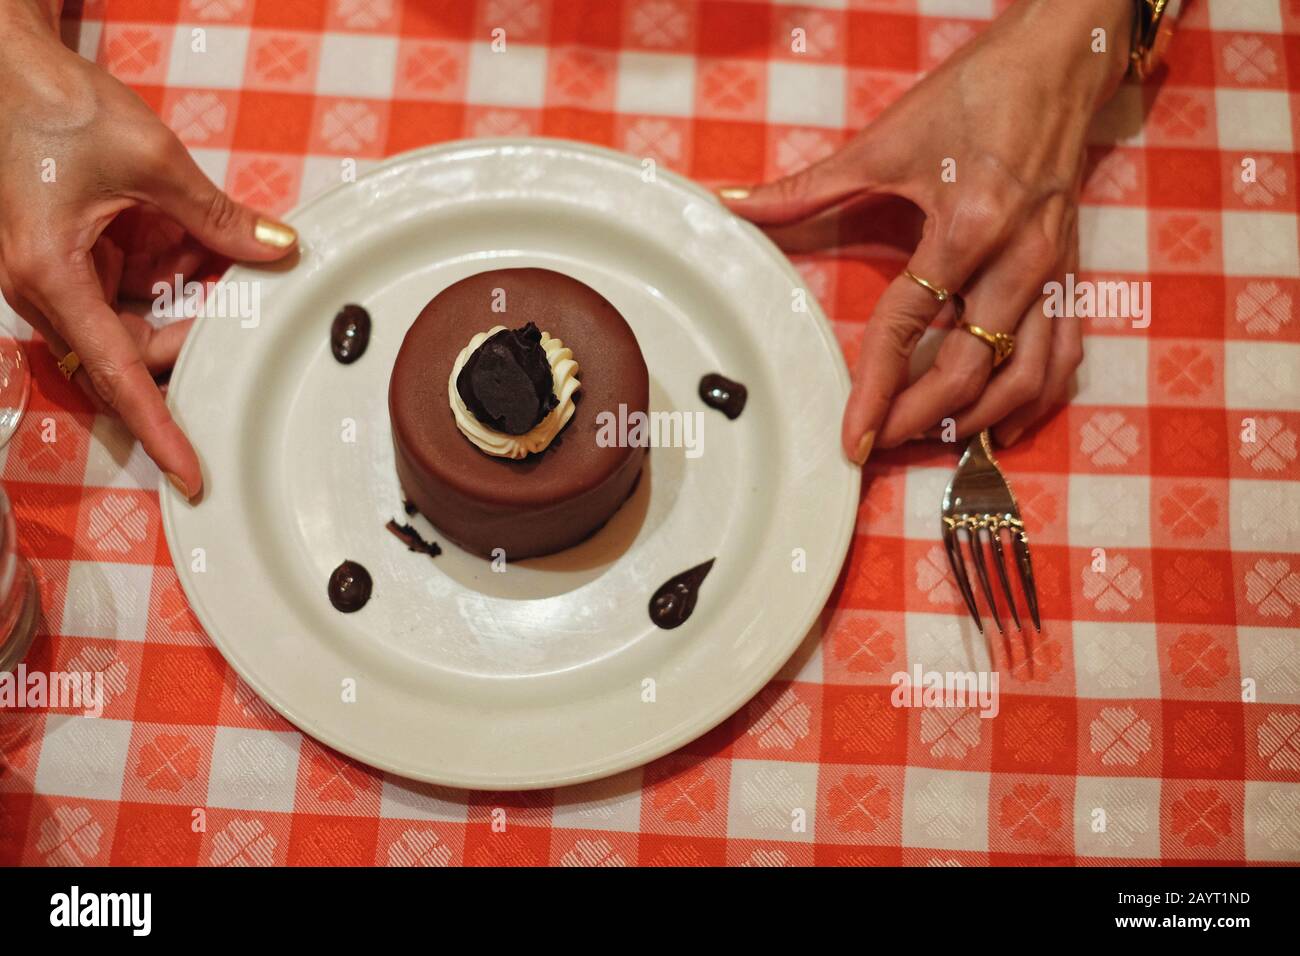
<point x="673" y="603"/>
<point x="350" y="587"/>
<point x="723" y="394"/>
<point x="350" y="333"/>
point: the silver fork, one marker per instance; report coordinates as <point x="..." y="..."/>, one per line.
<point x="980" y="501"/>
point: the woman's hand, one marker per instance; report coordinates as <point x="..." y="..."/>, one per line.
<point x="77" y="149"/>
<point x="1006" y="116"/>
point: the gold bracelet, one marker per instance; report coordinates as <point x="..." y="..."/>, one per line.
<point x="1153" y="28"/>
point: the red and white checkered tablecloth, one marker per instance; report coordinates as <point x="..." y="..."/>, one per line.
<point x="1133" y="701"/>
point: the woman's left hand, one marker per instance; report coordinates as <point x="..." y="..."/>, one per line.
<point x="990" y="146"/>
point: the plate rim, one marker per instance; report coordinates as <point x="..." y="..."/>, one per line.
<point x="171" y="501"/>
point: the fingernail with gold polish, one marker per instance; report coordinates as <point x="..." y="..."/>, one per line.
<point x="733" y="192"/>
<point x="177" y="484"/>
<point x="864" y="448"/>
<point x="276" y="234"/>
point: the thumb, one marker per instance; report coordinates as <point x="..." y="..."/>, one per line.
<point x="844" y="174"/>
<point x="212" y="217"/>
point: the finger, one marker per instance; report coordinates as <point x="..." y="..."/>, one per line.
<point x="900" y="317"/>
<point x="998" y="300"/>
<point x="109" y="260"/>
<point x="180" y="189"/>
<point x="864" y="164"/>
<point x="158" y="345"/>
<point x="117" y="371"/>
<point x="1017" y="382"/>
<point x="1064" y="355"/>
<point x="140" y="277"/>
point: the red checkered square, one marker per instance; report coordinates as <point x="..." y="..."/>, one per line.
<point x="151" y="835"/>
<point x="1031" y="814"/>
<point x="860" y="805"/>
<point x="332" y="840"/>
<point x="1034" y="735"/>
<point x="180" y="685"/>
<point x="514" y="846"/>
<point x="282" y="61"/>
<point x="861" y="725"/>
<point x="168" y="764"/>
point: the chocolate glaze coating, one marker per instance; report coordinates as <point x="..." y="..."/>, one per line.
<point x="545" y="502"/>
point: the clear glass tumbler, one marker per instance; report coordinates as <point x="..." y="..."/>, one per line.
<point x="19" y="601"/>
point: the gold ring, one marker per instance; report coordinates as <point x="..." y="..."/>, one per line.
<point x="941" y="295"/>
<point x="1001" y="343"/>
<point x="69" y="364"/>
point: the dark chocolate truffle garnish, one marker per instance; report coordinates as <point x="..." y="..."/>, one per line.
<point x="506" y="382"/>
<point x="350" y="333"/>
<point x="406" y="534"/>
<point x="349" y="587"/>
<point x="673" y="603"/>
<point x="723" y="394"/>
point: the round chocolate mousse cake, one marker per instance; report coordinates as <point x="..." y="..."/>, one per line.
<point x="494" y="401"/>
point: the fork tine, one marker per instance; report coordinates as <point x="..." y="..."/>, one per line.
<point x="952" y="545"/>
<point x="1000" y="562"/>
<point x="1021" y="543"/>
<point x="982" y="572"/>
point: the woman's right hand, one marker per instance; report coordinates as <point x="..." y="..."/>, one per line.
<point x="77" y="149"/>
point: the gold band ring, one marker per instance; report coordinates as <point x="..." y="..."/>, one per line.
<point x="941" y="295"/>
<point x="69" y="364"/>
<point x="1001" y="343"/>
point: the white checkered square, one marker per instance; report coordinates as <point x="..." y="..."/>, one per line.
<point x="1271" y="658"/>
<point x="1115" y="373"/>
<point x="946" y="809"/>
<point x="114" y="459"/>
<point x="83" y="757"/>
<point x="772" y="800"/>
<point x="107" y="600"/>
<point x="1272" y="821"/>
<point x="1260" y="244"/>
<point x="516" y="76"/>
<point x="1261" y="16"/>
<point x="352" y="64"/>
<point x="1117" y="817"/>
<point x="1262" y="375"/>
<point x="656" y="83"/>
<point x="945" y="642"/>
<point x="1253" y="119"/>
<point x="805" y="94"/>
<point x="1113" y="239"/>
<point x="1264" y="515"/>
<point x="403" y="799"/>
<point x="208" y="57"/>
<point x="961" y="9"/>
<point x="610" y="804"/>
<point x="253" y="769"/>
<point x="1109" y="511"/>
<point x="1115" y="660"/>
<point x="923" y="490"/>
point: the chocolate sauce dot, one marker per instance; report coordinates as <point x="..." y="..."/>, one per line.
<point x="673" y="603"/>
<point x="349" y="587"/>
<point x="350" y="333"/>
<point x="723" y="394"/>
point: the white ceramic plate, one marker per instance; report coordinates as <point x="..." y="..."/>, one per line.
<point x="536" y="676"/>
